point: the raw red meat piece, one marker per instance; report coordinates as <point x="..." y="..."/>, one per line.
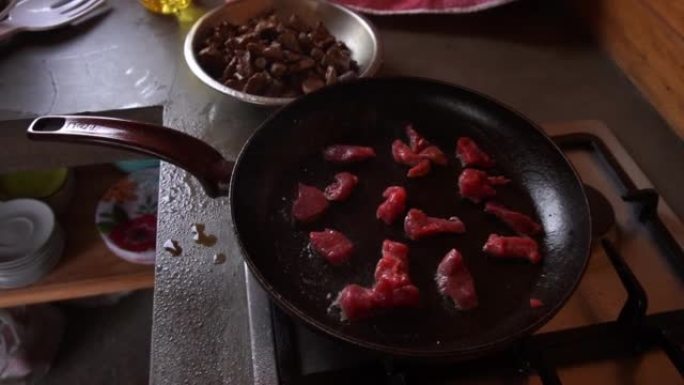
<point x="343" y="153"/>
<point x="419" y="155"/>
<point x="309" y="205"/>
<point x="435" y="155"/>
<point x="471" y="155"/>
<point x="416" y="141"/>
<point x="421" y="169"/>
<point x="498" y="180"/>
<point x="342" y="187"/>
<point x="477" y="185"/>
<point x="453" y="279"/>
<point x="512" y="247"/>
<point x="395" y="251"/>
<point x="332" y="245"/>
<point x="393" y="266"/>
<point x="392" y="288"/>
<point x="402" y="154"/>
<point x="418" y="225"/>
<point x="424" y="149"/>
<point x="536" y="303"/>
<point x="356" y="302"/>
<point x="393" y="206"/>
<point x="519" y="222"/>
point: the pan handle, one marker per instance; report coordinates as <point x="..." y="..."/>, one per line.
<point x="185" y="151"/>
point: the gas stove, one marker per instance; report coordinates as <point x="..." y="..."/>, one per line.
<point x="623" y="325"/>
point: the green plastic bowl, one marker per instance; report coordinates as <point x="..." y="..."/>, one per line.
<point x="129" y="166"/>
<point x="35" y="184"/>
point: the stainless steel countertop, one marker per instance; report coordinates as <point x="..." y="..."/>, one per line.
<point x="528" y="55"/>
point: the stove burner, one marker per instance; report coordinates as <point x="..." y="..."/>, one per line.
<point x="602" y="214"/>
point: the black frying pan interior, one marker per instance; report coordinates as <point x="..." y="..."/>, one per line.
<point x="373" y="112"/>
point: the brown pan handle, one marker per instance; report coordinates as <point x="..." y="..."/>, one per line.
<point x="185" y="151"/>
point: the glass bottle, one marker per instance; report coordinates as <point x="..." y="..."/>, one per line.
<point x="165" y="6"/>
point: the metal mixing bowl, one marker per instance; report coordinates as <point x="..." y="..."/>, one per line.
<point x="347" y="26"/>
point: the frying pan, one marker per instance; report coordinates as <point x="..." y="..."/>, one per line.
<point x="286" y="150"/>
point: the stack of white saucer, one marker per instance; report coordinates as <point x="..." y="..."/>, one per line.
<point x="31" y="242"/>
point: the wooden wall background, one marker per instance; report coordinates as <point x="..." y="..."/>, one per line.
<point x="646" y="39"/>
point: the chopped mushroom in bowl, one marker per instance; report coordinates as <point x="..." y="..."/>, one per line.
<point x="270" y="52"/>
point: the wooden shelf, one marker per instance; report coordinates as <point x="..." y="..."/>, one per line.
<point x="87" y="267"/>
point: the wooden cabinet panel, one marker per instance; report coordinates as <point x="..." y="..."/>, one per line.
<point x="646" y="39"/>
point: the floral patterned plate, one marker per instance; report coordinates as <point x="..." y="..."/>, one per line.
<point x="126" y="216"/>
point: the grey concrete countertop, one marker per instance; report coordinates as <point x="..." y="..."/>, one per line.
<point x="528" y="55"/>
